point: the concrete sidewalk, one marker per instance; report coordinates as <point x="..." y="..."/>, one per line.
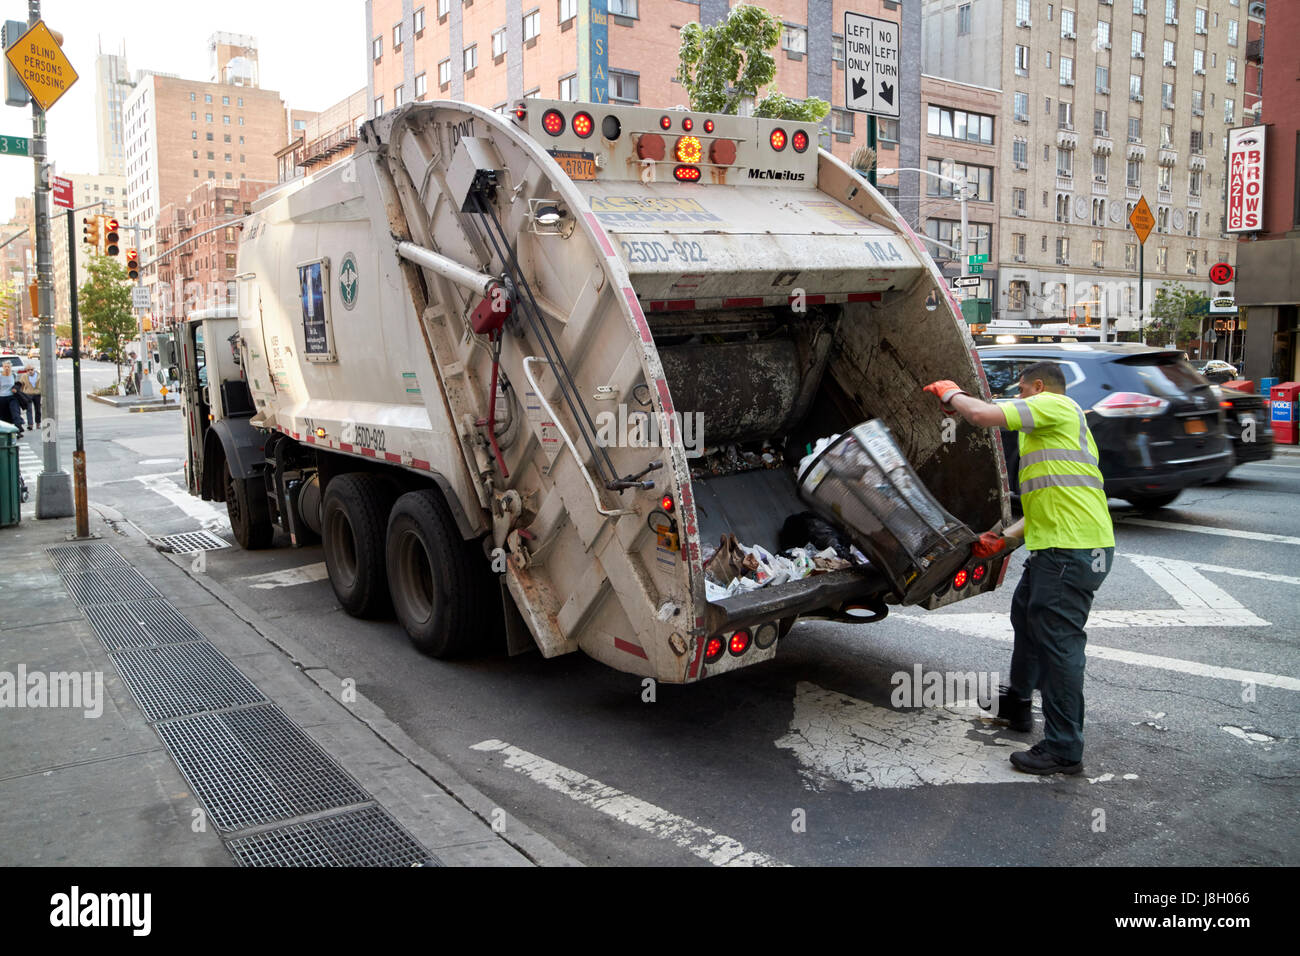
<point x="319" y="775"/>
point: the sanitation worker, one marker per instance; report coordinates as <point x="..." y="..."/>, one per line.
<point x="1071" y="543"/>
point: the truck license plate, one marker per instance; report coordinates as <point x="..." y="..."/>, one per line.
<point x="1194" y="426"/>
<point x="576" y="165"/>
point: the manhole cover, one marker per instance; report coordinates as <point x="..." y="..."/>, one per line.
<point x="139" y="624"/>
<point x="109" y="584"/>
<point x="365" y="837"/>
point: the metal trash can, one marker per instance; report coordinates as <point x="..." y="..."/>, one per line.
<point x="864" y="484"/>
<point x="10" y="497"/>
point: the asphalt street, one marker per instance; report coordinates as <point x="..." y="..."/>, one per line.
<point x="1193" y="698"/>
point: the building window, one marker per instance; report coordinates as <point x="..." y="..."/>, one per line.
<point x="1103" y="79"/>
<point x="470" y="57"/>
<point x="1018" y="200"/>
<point x="1167" y="136"/>
<point x="1022" y="13"/>
<point x="963" y="20"/>
<point x="1194" y="183"/>
<point x="623" y="8"/>
<point x="225" y="120"/>
<point x="1017" y="293"/>
<point x="887" y="130"/>
<point x="1065" y="162"/>
<point x="1229" y="109"/>
<point x="1022" y="60"/>
<point x="794" y="39"/>
<point x="207" y="97"/>
<point x="568" y="10"/>
<point x="1062" y="251"/>
<point x="842" y="122"/>
<point x="1067" y="71"/>
<point x="532" y="24"/>
<point x="1130" y="255"/>
<point x="1201" y="17"/>
<point x="1194" y="142"/>
<point x="1171" y="12"/>
<point x="444" y="72"/>
<point x="397" y="37"/>
<point x="194" y="134"/>
<point x="421" y="85"/>
<point x="959" y="124"/>
<point x="377" y="48"/>
<point x="379" y="105"/>
<point x="1098" y="253"/>
<point x="1133" y="173"/>
<point x="569" y="87"/>
<point x="397" y="96"/>
<point x="1198" y="62"/>
<point x="1162" y="258"/>
<point x="1136" y="48"/>
<point x="1134" y="129"/>
<point x="1103" y="35"/>
<point x="1230" y="69"/>
<point x="207" y="117"/>
<point x="979" y="180"/>
<point x="499" y="43"/>
<point x="418" y="21"/>
<point x="1169" y="53"/>
<point x="1067" y="24"/>
<point x="444" y="8"/>
<point x="1101" y="122"/>
<point x="1020" y="153"/>
<point x="1099" y="167"/>
<point x="1022" y="107"/>
<point x="1065" y="116"/>
<point x="1135" y="87"/>
<point x="1167" y="96"/>
<point x="1232" y="33"/>
<point x="624" y="87"/>
<point x="837" y="49"/>
<point x="192" y="97"/>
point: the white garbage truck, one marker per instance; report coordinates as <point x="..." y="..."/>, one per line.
<point x="524" y="374"/>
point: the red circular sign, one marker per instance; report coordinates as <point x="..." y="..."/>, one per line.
<point x="1220" y="273"/>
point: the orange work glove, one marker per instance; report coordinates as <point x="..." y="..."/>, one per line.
<point x="944" y="390"/>
<point x="989" y="544"/>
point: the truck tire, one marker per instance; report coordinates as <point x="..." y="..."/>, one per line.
<point x="354" y="519"/>
<point x="250" y="518"/>
<point x="442" y="595"/>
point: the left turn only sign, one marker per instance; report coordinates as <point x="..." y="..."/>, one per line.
<point x="41" y="65"/>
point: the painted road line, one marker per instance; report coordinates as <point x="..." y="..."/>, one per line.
<point x="1220" y="569"/>
<point x="208" y="515"/>
<point x="701" y="841"/>
<point x="1206" y="529"/>
<point x="289" y="577"/>
<point x="998" y="627"/>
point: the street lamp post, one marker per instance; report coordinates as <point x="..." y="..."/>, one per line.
<point x="964" y="184"/>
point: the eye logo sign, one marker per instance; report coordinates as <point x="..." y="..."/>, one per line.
<point x="349" y="277"/>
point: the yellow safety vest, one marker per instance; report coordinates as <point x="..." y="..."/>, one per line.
<point x="1061" y="487"/>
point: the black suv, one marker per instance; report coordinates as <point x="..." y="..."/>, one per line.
<point x="1158" y="423"/>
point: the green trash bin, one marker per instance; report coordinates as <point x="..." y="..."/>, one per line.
<point x="10" y="500"/>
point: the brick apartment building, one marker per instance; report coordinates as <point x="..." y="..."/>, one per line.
<point x="495" y="52"/>
<point x="202" y="272"/>
<point x="17" y="268"/>
<point x="322" y="138"/>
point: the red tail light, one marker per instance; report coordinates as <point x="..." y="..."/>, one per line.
<point x="1130" y="405"/>
<point x="665" y="122"/>
<point x="959" y="579"/>
<point x="977" y="575"/>
<point x="688" y="150"/>
<point x="688" y="124"/>
<point x="582" y="124"/>
<point x="799" y="141"/>
<point x="777" y="139"/>
<point x="708" y="126"/>
<point x="521" y="114"/>
<point x="713" y="649"/>
<point x="687" y="174"/>
<point x="739" y="643"/>
<point x="553" y="122"/>
<point x="666" y="502"/>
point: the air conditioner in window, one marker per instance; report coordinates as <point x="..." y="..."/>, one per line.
<point x="1232" y="80"/>
<point x="1103" y="46"/>
<point x="1135" y="97"/>
<point x="1067" y="35"/>
<point x="1139" y="55"/>
<point x="1062" y="262"/>
<point x="1022" y="165"/>
<point x="1197" y="111"/>
<point x="1103" y="90"/>
<point x="1019" y="258"/>
<point x="1024" y="23"/>
<point x="1199" y="72"/>
<point x="1067" y="82"/>
<point x="1172" y="21"/>
<point x="1170" y="63"/>
<point x="1201" y="31"/>
<point x="1098" y="178"/>
<point x="1021" y="213"/>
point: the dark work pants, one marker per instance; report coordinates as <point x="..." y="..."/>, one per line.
<point x="35" y="405"/>
<point x="13" y="409"/>
<point x="1048" y="614"/>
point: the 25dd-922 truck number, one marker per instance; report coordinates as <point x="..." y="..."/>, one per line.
<point x="353" y="434"/>
<point x="662" y="252"/>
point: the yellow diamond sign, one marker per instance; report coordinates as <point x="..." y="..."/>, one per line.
<point x="41" y="65"/>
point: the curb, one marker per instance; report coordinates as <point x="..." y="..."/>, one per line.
<point x="527" y="841"/>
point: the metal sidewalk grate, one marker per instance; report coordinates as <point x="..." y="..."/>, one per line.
<point x="253" y="766"/>
<point x="365" y="837"/>
<point x="69" y="558"/>
<point x="180" y="679"/>
<point x="108" y="585"/>
<point x="139" y="624"/>
<point x="191" y="541"/>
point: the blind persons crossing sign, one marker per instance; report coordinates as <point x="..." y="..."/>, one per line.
<point x="41" y="65"/>
<point x="871" y="65"/>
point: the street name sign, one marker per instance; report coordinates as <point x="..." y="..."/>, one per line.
<point x="14" y="146"/>
<point x="61" y="190"/>
<point x="966" y="282"/>
<point x="871" y="65"/>
<point x="41" y="65"/>
<point x="979" y="258"/>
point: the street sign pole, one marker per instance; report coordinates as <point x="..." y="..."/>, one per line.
<point x="79" y="455"/>
<point x="1142" y="332"/>
<point x="871" y="142"/>
<point x="53" y="486"/>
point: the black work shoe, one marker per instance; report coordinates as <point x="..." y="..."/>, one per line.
<point x="1018" y="713"/>
<point x="1039" y="761"/>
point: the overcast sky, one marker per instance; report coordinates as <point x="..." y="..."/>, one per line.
<point x="312" y="52"/>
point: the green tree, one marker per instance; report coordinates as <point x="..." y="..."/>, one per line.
<point x="724" y="64"/>
<point x="106" y="307"/>
<point x="1176" y="314"/>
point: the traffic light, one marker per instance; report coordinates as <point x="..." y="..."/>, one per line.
<point x="92" y="233"/>
<point x="132" y="264"/>
<point x="110" y="238"/>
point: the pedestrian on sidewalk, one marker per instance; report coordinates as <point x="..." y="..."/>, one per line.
<point x="11" y="405"/>
<point x="31" y="378"/>
<point x="1071" y="542"/>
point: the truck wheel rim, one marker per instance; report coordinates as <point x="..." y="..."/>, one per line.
<point x="414" y="574"/>
<point x="343" y="548"/>
<point x="232" y="500"/>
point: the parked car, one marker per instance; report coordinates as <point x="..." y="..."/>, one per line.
<point x="1158" y="423"/>
<point x="1217" y="371"/>
<point x="1248" y="424"/>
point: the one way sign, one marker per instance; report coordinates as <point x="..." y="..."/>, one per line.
<point x="871" y="65"/>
